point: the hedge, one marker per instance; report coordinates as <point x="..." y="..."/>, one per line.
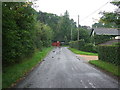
<point x="109" y="54"/>
<point x="89" y="47"/>
<point x="77" y="44"/>
<point x="81" y="45"/>
<point x="98" y="39"/>
<point x="22" y="33"/>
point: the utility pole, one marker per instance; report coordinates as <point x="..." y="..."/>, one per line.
<point x="78" y="29"/>
<point x="71" y="31"/>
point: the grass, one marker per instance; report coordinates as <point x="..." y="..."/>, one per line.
<point x="65" y="45"/>
<point x="13" y="73"/>
<point x="82" y="52"/>
<point x="106" y="66"/>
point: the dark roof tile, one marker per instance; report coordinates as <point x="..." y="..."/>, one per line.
<point x="106" y="31"/>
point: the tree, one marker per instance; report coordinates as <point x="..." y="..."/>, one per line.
<point x="22" y="33"/>
<point x="18" y="31"/>
<point x="112" y="17"/>
<point x="60" y="25"/>
<point x="64" y="28"/>
<point x="84" y="34"/>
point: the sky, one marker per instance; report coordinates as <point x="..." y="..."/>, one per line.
<point x="88" y="10"/>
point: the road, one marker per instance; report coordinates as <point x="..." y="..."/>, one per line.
<point x="62" y="69"/>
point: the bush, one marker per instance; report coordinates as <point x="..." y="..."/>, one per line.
<point x="77" y="44"/>
<point x="81" y="45"/>
<point x="89" y="47"/>
<point x="118" y="43"/>
<point x="74" y="44"/>
<point x="109" y="54"/>
<point x="98" y="39"/>
<point x="22" y="33"/>
<point x="18" y="32"/>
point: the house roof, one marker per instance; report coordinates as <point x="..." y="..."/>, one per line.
<point x="106" y="31"/>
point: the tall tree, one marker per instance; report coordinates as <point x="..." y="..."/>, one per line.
<point x="112" y="17"/>
<point x="22" y="32"/>
<point x="64" y="27"/>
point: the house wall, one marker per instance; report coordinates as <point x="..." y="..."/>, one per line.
<point x="117" y="37"/>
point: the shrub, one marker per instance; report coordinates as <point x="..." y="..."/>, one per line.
<point x="118" y="43"/>
<point x="98" y="39"/>
<point x="90" y="47"/>
<point x="74" y="44"/>
<point x="81" y="45"/>
<point x="22" y="33"/>
<point x="77" y="44"/>
<point x="109" y="54"/>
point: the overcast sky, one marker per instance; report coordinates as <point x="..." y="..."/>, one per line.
<point x="83" y="8"/>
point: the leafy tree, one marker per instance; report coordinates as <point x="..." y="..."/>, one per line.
<point x="49" y="19"/>
<point x="104" y="25"/>
<point x="112" y="17"/>
<point x="84" y="34"/>
<point x="25" y="30"/>
<point x="61" y="25"/>
<point x="22" y="33"/>
<point x="64" y="28"/>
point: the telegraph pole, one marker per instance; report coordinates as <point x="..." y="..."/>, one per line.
<point x="71" y="32"/>
<point x="78" y="29"/>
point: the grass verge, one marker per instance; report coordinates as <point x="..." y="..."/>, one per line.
<point x="65" y="45"/>
<point x="82" y="52"/>
<point x="106" y="66"/>
<point x="12" y="74"/>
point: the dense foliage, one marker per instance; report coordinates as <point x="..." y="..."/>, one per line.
<point x="85" y="42"/>
<point x="109" y="54"/>
<point x="81" y="45"/>
<point x="98" y="39"/>
<point x="25" y="30"/>
<point x="77" y="44"/>
<point x="22" y="33"/>
<point x="110" y="19"/>
<point x="61" y="25"/>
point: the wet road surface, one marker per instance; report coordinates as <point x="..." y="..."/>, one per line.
<point x="61" y="69"/>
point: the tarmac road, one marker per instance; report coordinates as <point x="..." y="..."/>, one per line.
<point x="61" y="69"/>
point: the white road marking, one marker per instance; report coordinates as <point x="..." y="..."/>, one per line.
<point x="50" y="86"/>
<point x="91" y="84"/>
<point x="73" y="69"/>
<point x="83" y="84"/>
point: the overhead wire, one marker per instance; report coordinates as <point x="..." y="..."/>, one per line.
<point x="95" y="11"/>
